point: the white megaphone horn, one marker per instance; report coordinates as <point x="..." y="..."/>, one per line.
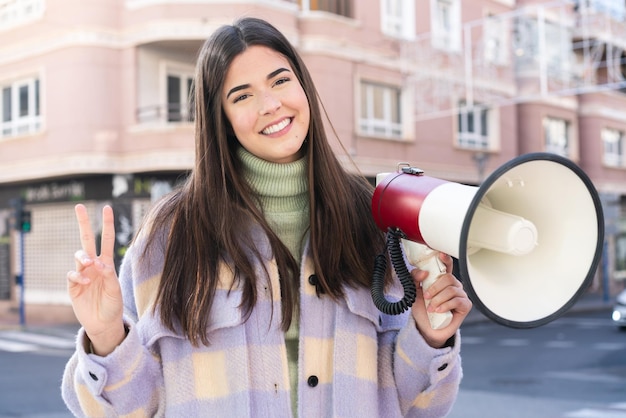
<point x="528" y="240"/>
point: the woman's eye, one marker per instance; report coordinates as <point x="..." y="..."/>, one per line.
<point x="281" y="81"/>
<point x="240" y="98"/>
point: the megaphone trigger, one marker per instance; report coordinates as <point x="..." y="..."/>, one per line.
<point x="425" y="258"/>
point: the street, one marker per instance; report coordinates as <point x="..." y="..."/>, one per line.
<point x="31" y="367"/>
<point x="574" y="367"/>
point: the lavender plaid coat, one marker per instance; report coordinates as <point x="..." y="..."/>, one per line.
<point x="354" y="361"/>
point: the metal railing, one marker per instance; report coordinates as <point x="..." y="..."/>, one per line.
<point x="165" y="113"/>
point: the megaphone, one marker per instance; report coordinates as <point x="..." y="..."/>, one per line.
<point x="528" y="240"/>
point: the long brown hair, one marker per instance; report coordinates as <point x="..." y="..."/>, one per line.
<point x="210" y="216"/>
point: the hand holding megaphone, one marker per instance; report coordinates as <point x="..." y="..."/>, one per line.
<point x="427" y="259"/>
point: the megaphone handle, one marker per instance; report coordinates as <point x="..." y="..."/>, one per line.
<point x="425" y="258"/>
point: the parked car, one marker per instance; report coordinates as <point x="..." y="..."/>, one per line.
<point x="619" y="310"/>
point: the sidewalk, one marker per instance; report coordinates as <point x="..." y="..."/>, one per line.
<point x="38" y="316"/>
<point x="52" y="316"/>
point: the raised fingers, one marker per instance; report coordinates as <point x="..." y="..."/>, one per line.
<point x="108" y="233"/>
<point x="87" y="239"/>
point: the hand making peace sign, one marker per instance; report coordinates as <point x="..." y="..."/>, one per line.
<point x="94" y="288"/>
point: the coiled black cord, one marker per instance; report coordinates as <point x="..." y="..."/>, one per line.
<point x="378" y="279"/>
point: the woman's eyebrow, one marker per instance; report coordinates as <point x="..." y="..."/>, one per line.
<point x="276" y="72"/>
<point x="245" y="86"/>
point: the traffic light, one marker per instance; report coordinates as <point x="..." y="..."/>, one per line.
<point x="25" y="221"/>
<point x="21" y="217"/>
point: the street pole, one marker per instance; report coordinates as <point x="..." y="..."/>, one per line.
<point x="22" y="307"/>
<point x="19" y="278"/>
<point x="22" y="224"/>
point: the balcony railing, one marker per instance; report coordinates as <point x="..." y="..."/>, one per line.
<point x="18" y="12"/>
<point x="23" y="126"/>
<point x="168" y="113"/>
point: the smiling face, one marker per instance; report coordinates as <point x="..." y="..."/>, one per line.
<point x="266" y="105"/>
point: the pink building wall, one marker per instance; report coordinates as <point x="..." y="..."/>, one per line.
<point x="99" y="63"/>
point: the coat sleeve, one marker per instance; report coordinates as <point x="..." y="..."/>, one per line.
<point x="427" y="379"/>
<point x="129" y="381"/>
<point x="126" y="382"/>
<point x="414" y="379"/>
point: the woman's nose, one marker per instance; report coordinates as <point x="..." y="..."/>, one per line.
<point x="269" y="104"/>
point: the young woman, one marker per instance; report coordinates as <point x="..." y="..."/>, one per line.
<point x="246" y="293"/>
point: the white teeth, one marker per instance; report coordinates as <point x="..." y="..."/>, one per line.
<point x="275" y="128"/>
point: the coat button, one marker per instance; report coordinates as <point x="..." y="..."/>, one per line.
<point x="313" y="281"/>
<point x="312" y="381"/>
<point x="93" y="376"/>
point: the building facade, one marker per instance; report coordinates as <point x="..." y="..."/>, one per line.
<point x="95" y="104"/>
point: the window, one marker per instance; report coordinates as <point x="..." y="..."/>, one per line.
<point x="615" y="9"/>
<point x="556" y="133"/>
<point x="338" y="7"/>
<point x="558" y="50"/>
<point x="18" y="12"/>
<point x="445" y="17"/>
<point x="179" y="92"/>
<point x="473" y="126"/>
<point x="398" y="18"/>
<point x="613" y="141"/>
<point x="165" y="90"/>
<point x="496" y="40"/>
<point x="20" y="108"/>
<point x="552" y="46"/>
<point x="380" y="110"/>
